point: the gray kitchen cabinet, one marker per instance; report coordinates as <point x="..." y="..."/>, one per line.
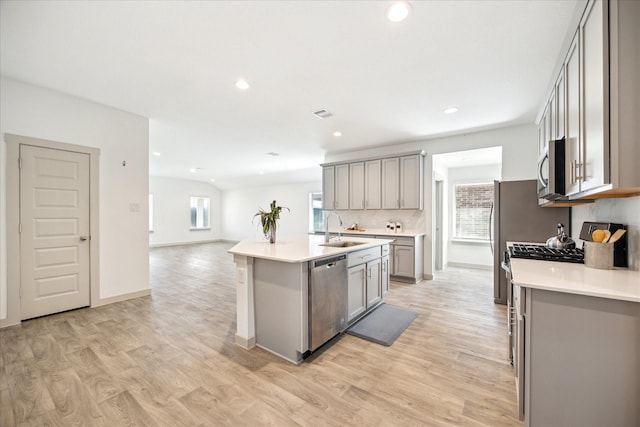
<point x="374" y="288"/>
<point x="571" y="71"/>
<point x="394" y="182"/>
<point x="406" y="263"/>
<point x="411" y="182"/>
<point x="580" y="359"/>
<point x="384" y="276"/>
<point x="391" y="183"/>
<point x="335" y="187"/>
<point x="342" y="187"/>
<point x="328" y="187"/>
<point x="357" y="295"/>
<point x="560" y="111"/>
<point x="593" y="51"/>
<point x="601" y="109"/>
<point x="356" y="186"/>
<point x="373" y="184"/>
<point x="403" y="261"/>
<point x="365" y="281"/>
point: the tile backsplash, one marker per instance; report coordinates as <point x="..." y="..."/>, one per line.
<point x="624" y="211"/>
<point x="410" y="219"/>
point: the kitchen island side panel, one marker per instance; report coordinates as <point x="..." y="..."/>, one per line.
<point x="281" y="307"/>
<point x="582" y="360"/>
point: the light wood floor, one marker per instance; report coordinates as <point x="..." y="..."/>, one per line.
<point x="170" y="360"/>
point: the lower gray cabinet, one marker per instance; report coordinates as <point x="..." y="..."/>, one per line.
<point x="357" y="300"/>
<point x="368" y="280"/>
<point x="384" y="277"/>
<point x="407" y="259"/>
<point x="374" y="290"/>
<point x="403" y="261"/>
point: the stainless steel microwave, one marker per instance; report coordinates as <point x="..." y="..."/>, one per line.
<point x="551" y="171"/>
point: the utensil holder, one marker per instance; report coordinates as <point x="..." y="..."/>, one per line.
<point x="598" y="255"/>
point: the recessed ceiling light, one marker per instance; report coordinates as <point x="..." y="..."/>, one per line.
<point x="337" y="134"/>
<point x="193" y="170"/>
<point x="156" y="153"/>
<point x="212" y="180"/>
<point x="242" y="84"/>
<point x="450" y="110"/>
<point x="261" y="172"/>
<point x="398" y="11"/>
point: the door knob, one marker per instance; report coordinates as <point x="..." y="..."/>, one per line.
<point x="83" y="238"/>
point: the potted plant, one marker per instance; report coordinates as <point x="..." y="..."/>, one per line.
<point x="269" y="220"/>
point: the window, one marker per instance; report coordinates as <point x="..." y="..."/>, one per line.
<point x="200" y="214"/>
<point x="150" y="213"/>
<point x="473" y="210"/>
<point x="315" y="212"/>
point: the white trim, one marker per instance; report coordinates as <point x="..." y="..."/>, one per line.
<point x="13" y="143"/>
<point x="122" y="297"/>
<point x="467" y="265"/>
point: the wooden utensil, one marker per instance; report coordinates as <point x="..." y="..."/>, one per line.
<point x="617" y="235"/>
<point x="607" y="236"/>
<point x="598" y="236"/>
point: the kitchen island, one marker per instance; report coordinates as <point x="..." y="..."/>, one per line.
<point x="272" y="288"/>
<point x="578" y="330"/>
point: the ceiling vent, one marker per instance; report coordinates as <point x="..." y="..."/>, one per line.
<point x="323" y="114"/>
<point x="271" y="153"/>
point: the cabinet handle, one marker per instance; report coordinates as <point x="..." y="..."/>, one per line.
<point x="578" y="167"/>
<point x="572" y="180"/>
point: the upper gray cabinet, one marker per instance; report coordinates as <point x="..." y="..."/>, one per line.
<point x="335" y="187"/>
<point x="372" y="184"/>
<point x="391" y="183"/>
<point x="411" y="182"/>
<point x="356" y="185"/>
<point x="594" y="103"/>
<point x="383" y="183"/>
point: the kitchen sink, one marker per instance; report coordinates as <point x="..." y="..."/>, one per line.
<point x="342" y="244"/>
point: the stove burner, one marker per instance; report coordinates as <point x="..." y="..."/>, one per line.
<point x="541" y="252"/>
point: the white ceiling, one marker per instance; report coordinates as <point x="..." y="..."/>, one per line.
<point x="386" y="83"/>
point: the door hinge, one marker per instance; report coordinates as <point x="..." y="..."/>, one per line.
<point x="19" y="162"/>
<point x="20" y="228"/>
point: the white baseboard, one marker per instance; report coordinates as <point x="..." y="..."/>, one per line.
<point x="467" y="265"/>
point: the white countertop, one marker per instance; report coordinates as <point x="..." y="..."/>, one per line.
<point x="299" y="250"/>
<point x="380" y="232"/>
<point x="619" y="283"/>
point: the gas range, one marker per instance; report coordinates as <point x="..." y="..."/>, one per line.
<point x="541" y="252"/>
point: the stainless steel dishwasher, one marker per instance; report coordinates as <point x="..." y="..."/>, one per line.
<point x="327" y="299"/>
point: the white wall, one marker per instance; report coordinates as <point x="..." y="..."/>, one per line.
<point x="466" y="253"/>
<point x="519" y="159"/>
<point x="240" y="205"/>
<point x="171" y="207"/>
<point x="623" y="211"/>
<point x="124" y="245"/>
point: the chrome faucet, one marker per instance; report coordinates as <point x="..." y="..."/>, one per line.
<point x="326" y="226"/>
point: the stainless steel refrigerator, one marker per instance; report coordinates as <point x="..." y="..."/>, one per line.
<point x="517" y="217"/>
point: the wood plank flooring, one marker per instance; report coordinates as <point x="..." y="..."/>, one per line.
<point x="169" y="359"/>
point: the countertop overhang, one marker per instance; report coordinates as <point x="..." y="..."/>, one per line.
<point x="300" y="250"/>
<point x="619" y="283"/>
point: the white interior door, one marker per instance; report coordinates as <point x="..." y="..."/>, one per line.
<point x="54" y="237"/>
